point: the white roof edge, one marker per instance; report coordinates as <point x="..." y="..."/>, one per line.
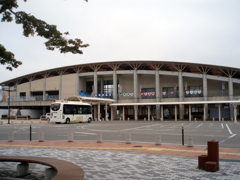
<point x="89" y="99"/>
<point x="175" y="103"/>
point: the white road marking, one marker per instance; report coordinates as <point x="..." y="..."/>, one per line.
<point x="199" y="125"/>
<point x="227" y="138"/>
<point x="222" y="125"/>
<point x="229" y="130"/>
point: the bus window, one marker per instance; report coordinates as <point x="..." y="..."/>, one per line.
<point x="55" y="107"/>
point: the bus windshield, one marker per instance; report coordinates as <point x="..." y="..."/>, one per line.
<point x="55" y="107"/>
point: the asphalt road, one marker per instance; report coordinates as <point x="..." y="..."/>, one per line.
<point x="227" y="133"/>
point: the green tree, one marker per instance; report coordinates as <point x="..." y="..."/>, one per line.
<point x="31" y="25"/>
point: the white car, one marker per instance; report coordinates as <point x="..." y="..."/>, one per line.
<point x="48" y="116"/>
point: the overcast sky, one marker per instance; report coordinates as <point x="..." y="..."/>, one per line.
<point x="199" y="31"/>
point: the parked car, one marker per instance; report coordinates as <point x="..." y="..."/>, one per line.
<point x="48" y="116"/>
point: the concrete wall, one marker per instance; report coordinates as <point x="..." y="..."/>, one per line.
<point x="147" y="81"/>
<point x="168" y="81"/>
<point x="22" y="88"/>
<point x="52" y="84"/>
<point x="69" y="84"/>
<point x="37" y="85"/>
<point x="126" y="81"/>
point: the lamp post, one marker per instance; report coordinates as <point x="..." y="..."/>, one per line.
<point x="7" y="88"/>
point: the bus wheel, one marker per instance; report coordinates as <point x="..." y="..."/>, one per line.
<point x="89" y="120"/>
<point x="67" y="121"/>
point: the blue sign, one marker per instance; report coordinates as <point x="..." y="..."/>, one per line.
<point x="84" y="94"/>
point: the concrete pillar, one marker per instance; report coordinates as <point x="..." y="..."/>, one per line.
<point x="60" y="86"/>
<point x="162" y="112"/>
<point x="128" y="138"/>
<point x="70" y="136"/>
<point x="99" y="116"/>
<point x="22" y="169"/>
<point x="136" y="113"/>
<point x="29" y="88"/>
<point x="158" y="139"/>
<point x="102" y="85"/>
<point x="115" y="88"/>
<point x="44" y="89"/>
<point x="99" y="137"/>
<point x="149" y="113"/>
<point x="175" y="112"/>
<point x="112" y="109"/>
<point x="205" y="94"/>
<point x="10" y="136"/>
<point x="41" y="136"/>
<point x="135" y="86"/>
<point x="204" y="112"/>
<point x="189" y="141"/>
<point x="106" y="111"/>
<point x="190" y="112"/>
<point x="230" y="94"/>
<point x="123" y="113"/>
<point x="181" y="94"/>
<point x="77" y="84"/>
<point x="157" y="84"/>
<point x="219" y="112"/>
<point x="16" y="92"/>
<point x="50" y="173"/>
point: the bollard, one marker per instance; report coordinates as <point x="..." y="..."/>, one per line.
<point x="120" y="119"/>
<point x="50" y="173"/>
<point x="21" y="121"/>
<point x="99" y="137"/>
<point x="70" y="137"/>
<point x="41" y="136"/>
<point x="10" y="136"/>
<point x="40" y="121"/>
<point x="222" y="119"/>
<point x="95" y="119"/>
<point x="152" y="118"/>
<point x="30" y="132"/>
<point x="158" y="139"/>
<point x="195" y="119"/>
<point x="189" y="141"/>
<point x="144" y="119"/>
<point x="128" y="138"/>
<point x="1" y="122"/>
<point x="11" y="122"/>
<point x="128" y="119"/>
<point x="213" y="156"/>
<point x="231" y="119"/>
<point x="31" y="121"/>
<point x="213" y="119"/>
<point x="22" y="169"/>
<point x="102" y="119"/>
<point x="182" y="135"/>
<point x="48" y="121"/>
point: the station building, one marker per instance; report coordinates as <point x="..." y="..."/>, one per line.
<point x="159" y="90"/>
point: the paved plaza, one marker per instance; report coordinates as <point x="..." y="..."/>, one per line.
<point x="114" y="165"/>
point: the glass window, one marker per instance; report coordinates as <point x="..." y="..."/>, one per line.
<point x="55" y="107"/>
<point x="170" y="92"/>
<point x="76" y="109"/>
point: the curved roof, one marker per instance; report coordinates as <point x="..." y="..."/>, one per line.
<point x="128" y="65"/>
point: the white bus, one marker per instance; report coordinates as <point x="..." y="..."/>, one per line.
<point x="70" y="111"/>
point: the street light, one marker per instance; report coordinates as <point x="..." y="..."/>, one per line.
<point x="7" y="88"/>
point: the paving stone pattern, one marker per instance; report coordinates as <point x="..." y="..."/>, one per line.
<point x="112" y="165"/>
